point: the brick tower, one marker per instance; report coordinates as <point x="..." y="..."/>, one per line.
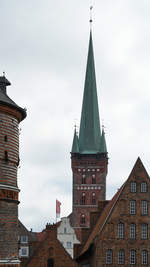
<point x="89" y="153"/>
<point x="10" y="117"/>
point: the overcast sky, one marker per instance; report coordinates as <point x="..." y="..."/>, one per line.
<point x="43" y="51"/>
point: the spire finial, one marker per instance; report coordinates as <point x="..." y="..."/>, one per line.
<point x="91" y="20"/>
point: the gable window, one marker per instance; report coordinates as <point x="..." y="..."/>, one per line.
<point x="132" y="207"/>
<point x="93" y="199"/>
<point x="82" y="220"/>
<point x="68" y="244"/>
<point x="24" y="252"/>
<point x="121" y="256"/>
<point x="83" y="179"/>
<point x="133" y="187"/>
<point x="144" y="231"/>
<point x="109" y="256"/>
<point x="133" y="231"/>
<point x="144" y="207"/>
<point x="121" y="230"/>
<point x="132" y="256"/>
<point x="144" y="257"/>
<point x="65" y="230"/>
<point x="83" y="199"/>
<point x="143" y="187"/>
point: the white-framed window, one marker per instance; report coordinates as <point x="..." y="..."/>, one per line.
<point x="121" y="230"/>
<point x="144" y="256"/>
<point x="144" y="231"/>
<point x="133" y="231"/>
<point x="132" y="256"/>
<point x="69" y="244"/>
<point x="132" y="207"/>
<point x="121" y="256"/>
<point x="133" y="187"/>
<point x="144" y="207"/>
<point x="109" y="256"/>
<point x="24" y="252"/>
<point x="24" y="239"/>
<point x="143" y="187"/>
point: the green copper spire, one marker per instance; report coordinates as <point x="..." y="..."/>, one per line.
<point x="75" y="144"/>
<point x="90" y="133"/>
<point x="103" y="147"/>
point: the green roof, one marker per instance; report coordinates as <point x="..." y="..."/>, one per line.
<point x="90" y="134"/>
<point x="75" y="144"/>
<point x="103" y="147"/>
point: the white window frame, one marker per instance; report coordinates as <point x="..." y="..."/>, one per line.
<point x="109" y="256"/>
<point x="144" y="207"/>
<point x="132" y="207"/>
<point x="144" y="257"/>
<point x="24" y="255"/>
<point x="143" y="187"/>
<point x="121" y="230"/>
<point x="132" y="231"/>
<point x="144" y="231"/>
<point x="121" y="256"/>
<point x="133" y="256"/>
<point x="69" y="244"/>
<point x="133" y="187"/>
<point x="23" y="239"/>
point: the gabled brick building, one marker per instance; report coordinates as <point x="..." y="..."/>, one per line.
<point x="121" y="234"/>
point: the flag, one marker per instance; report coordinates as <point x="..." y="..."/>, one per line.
<point x="58" y="204"/>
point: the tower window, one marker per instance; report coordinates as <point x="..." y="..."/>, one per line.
<point x="82" y="220"/>
<point x="83" y="179"/>
<point x="121" y="230"/>
<point x="5" y="138"/>
<point x="83" y="199"/>
<point x="93" y="179"/>
<point x="6" y="156"/>
<point x="143" y="187"/>
<point x="93" y="198"/>
<point x="133" y="187"/>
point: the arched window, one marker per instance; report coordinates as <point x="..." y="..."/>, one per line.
<point x="93" y="179"/>
<point x="121" y="230"/>
<point x="93" y="198"/>
<point x="83" y="179"/>
<point x="133" y="231"/>
<point x="144" y="257"/>
<point x="50" y="263"/>
<point x="132" y="256"/>
<point x="121" y="256"/>
<point x="82" y="219"/>
<point x="109" y="256"/>
<point x="83" y="199"/>
<point x="51" y="252"/>
<point x="6" y="156"/>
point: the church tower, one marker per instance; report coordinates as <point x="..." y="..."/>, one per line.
<point x="89" y="152"/>
<point x="10" y="117"/>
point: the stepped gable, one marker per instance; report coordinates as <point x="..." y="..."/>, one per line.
<point x="137" y="171"/>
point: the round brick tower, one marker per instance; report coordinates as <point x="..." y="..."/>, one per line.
<point x="10" y="117"/>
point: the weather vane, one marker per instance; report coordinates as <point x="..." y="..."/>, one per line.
<point x="91" y="7"/>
